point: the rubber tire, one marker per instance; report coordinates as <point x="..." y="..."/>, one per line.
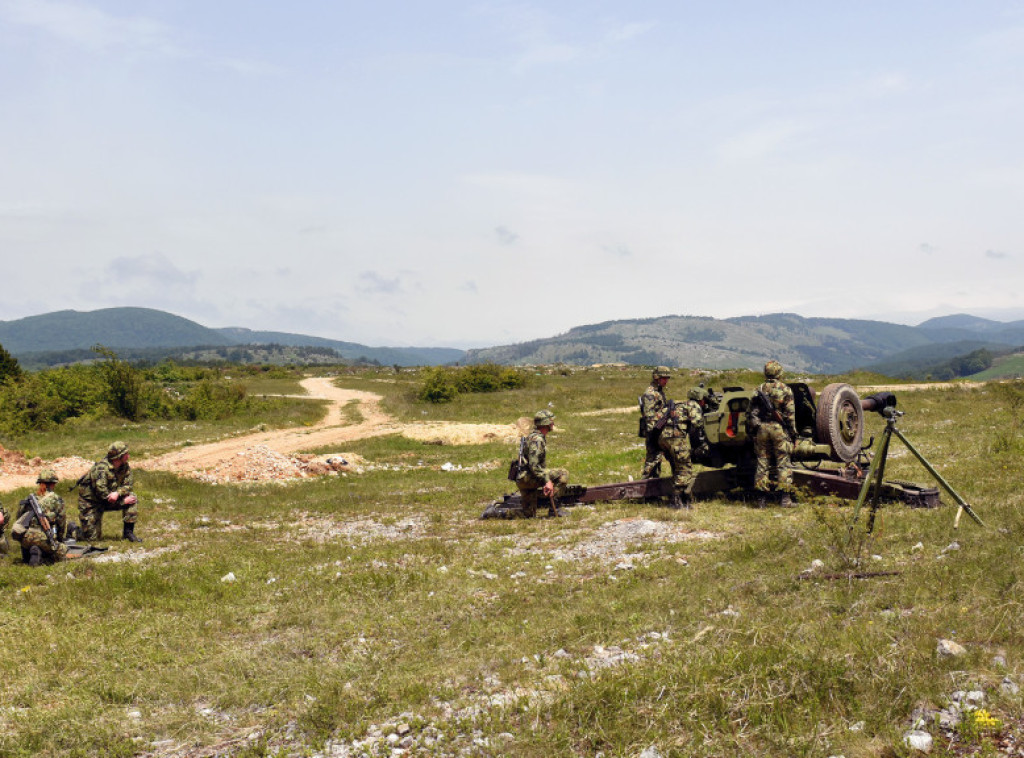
<point x="839" y="422"/>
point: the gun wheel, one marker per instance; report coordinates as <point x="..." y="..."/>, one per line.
<point x="840" y="421"/>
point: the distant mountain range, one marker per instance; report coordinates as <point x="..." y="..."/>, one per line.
<point x="811" y="345"/>
<point x="808" y="345"/>
<point x="157" y="333"/>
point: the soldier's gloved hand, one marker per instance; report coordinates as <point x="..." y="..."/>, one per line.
<point x="112" y="497"/>
<point x="130" y="500"/>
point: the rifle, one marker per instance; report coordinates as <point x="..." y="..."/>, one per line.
<point x="517" y="465"/>
<point x="769" y="406"/>
<point x="670" y="405"/>
<point x="44" y="523"/>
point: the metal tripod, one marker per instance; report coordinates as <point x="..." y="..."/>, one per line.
<point x="877" y="473"/>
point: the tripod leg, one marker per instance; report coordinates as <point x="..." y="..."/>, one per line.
<point x="872" y="473"/>
<point x="931" y="470"/>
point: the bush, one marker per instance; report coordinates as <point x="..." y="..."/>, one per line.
<point x="438" y="387"/>
<point x="442" y="385"/>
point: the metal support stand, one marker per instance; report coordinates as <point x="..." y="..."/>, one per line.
<point x="877" y="473"/>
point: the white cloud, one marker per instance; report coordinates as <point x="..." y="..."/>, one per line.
<point x="89" y="27"/>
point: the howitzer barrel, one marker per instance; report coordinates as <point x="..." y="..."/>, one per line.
<point x="878" y="402"/>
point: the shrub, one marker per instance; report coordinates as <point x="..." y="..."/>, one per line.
<point x="438" y="387"/>
<point x="441" y="385"/>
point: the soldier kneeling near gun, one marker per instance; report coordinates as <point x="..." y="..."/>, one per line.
<point x="108" y="487"/>
<point x="534" y="477"/>
<point x="41" y="524"/>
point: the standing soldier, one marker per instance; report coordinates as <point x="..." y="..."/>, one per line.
<point x="774" y="410"/>
<point x="108" y="487"/>
<point x="652" y="403"/>
<point x="35" y="542"/>
<point x="3" y="528"/>
<point x="534" y="477"/>
<point x="676" y="423"/>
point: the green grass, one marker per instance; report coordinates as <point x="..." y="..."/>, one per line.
<point x="377" y="599"/>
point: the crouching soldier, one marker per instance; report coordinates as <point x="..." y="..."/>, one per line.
<point x="108" y="487"/>
<point x="38" y="543"/>
<point x="534" y="477"/>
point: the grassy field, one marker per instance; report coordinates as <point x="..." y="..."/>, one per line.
<point x="374" y="613"/>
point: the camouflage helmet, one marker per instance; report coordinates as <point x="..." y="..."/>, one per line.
<point x="47" y="475"/>
<point x="772" y="370"/>
<point x="697" y="393"/>
<point x="661" y="372"/>
<point x="544" y="418"/>
<point x="117" y="450"/>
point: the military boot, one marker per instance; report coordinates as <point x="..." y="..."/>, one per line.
<point x="675" y="502"/>
<point x="35" y="556"/>
<point x="762" y="500"/>
<point x="786" y="501"/>
<point x="129" y="533"/>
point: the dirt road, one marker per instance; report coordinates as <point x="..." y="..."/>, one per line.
<point x="266" y="450"/>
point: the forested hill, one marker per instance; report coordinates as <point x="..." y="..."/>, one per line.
<point x="813" y="345"/>
<point x="148" y="329"/>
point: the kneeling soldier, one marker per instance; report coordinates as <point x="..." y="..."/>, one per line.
<point x="37" y="546"/>
<point x="108" y="487"/>
<point x="534" y="477"/>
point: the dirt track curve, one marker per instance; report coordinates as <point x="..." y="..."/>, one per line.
<point x="332" y="430"/>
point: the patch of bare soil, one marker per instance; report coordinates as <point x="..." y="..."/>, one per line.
<point x="18" y="471"/>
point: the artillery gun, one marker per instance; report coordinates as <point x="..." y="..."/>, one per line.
<point x="829" y="455"/>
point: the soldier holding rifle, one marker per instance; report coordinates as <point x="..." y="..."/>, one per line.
<point x="773" y="413"/>
<point x="41" y="524"/>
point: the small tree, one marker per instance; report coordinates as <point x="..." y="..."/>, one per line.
<point x="125" y="384"/>
<point x="9" y="366"/>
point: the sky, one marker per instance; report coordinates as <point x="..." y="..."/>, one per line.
<point x="473" y="173"/>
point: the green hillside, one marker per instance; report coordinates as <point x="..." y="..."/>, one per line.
<point x="114" y="327"/>
<point x="1003" y="367"/>
<point x="803" y="344"/>
<point x="151" y="335"/>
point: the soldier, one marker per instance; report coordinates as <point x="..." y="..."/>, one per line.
<point x="108" y="487"/>
<point x="677" y="423"/>
<point x="35" y="544"/>
<point x="776" y="431"/>
<point x="652" y="402"/>
<point x="3" y="528"/>
<point x="534" y="477"/>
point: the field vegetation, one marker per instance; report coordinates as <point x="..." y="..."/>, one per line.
<point x="373" y="613"/>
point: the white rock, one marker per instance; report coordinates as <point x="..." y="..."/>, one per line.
<point x="858" y="727"/>
<point x="948" y="648"/>
<point x="228" y="577"/>
<point x="917" y="548"/>
<point x="918" y="740"/>
<point x="651" y="752"/>
<point x="817" y="564"/>
<point x="136" y="715"/>
<point x="1009" y="687"/>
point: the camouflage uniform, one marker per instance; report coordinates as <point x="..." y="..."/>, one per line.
<point x="680" y="421"/>
<point x="28" y="531"/>
<point x="775" y="439"/>
<point x="101" y="481"/>
<point x="534" y="473"/>
<point x="3" y="531"/>
<point x="652" y="403"/>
